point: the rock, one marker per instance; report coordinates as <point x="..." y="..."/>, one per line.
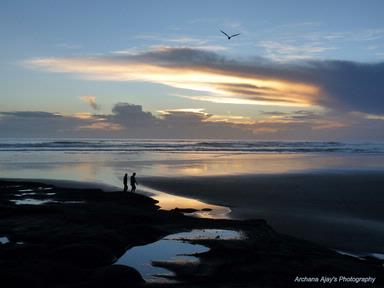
<point x="85" y="255"/>
<point x="10" y="280"/>
<point x="206" y="209"/>
<point x="184" y="210"/>
<point x="117" y="276"/>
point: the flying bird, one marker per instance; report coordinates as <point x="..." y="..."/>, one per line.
<point x="229" y="37"/>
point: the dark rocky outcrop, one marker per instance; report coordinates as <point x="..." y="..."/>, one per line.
<point x="74" y="244"/>
<point x="117" y="276"/>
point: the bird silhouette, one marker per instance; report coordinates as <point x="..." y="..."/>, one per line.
<point x="229" y="37"/>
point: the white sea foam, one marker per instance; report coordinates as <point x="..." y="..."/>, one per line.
<point x="190" y="146"/>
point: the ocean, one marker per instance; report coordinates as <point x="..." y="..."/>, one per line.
<point x="345" y="211"/>
<point x="138" y="145"/>
<point x="106" y="160"/>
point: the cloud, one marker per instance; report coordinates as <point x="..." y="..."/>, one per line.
<point x="130" y="121"/>
<point x="288" y="51"/>
<point x="182" y="41"/>
<point x="306" y="40"/>
<point x="184" y="116"/>
<point x="193" y="116"/>
<point x="36" y="124"/>
<point x="374" y="116"/>
<point x="363" y="35"/>
<point x="336" y="85"/>
<point x="131" y="115"/>
<point x="189" y="69"/>
<point x="101" y="126"/>
<point x="125" y="121"/>
<point x="91" y="101"/>
<point x="31" y="114"/>
<point x="68" y="46"/>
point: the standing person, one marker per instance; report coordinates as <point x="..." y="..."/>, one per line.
<point x="125" y="182"/>
<point x="133" y="182"/>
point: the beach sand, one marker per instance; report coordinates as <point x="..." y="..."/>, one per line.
<point x="340" y="210"/>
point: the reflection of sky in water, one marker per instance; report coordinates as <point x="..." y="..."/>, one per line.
<point x="378" y="255"/>
<point x="4" y="240"/>
<point x="207" y="234"/>
<point x="24" y="194"/>
<point x="361" y="255"/>
<point x="109" y="167"/>
<point x="163" y="250"/>
<point x="168" y="202"/>
<point x="31" y="201"/>
<point x="170" y="249"/>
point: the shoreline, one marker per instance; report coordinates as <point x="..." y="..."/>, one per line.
<point x="165" y="200"/>
<point x="77" y="184"/>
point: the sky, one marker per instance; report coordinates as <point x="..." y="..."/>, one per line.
<point x="299" y="70"/>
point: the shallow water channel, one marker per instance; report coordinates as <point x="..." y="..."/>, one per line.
<point x="170" y="201"/>
<point x="4" y="240"/>
<point x="174" y="248"/>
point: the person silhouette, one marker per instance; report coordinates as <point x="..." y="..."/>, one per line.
<point x="133" y="182"/>
<point x="125" y="182"/>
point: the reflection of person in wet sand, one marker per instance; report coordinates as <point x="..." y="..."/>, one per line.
<point x="125" y="182"/>
<point x="133" y="182"/>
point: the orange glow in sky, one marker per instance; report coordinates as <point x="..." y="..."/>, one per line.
<point x="217" y="86"/>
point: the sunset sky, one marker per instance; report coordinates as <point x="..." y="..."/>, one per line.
<point x="299" y="70"/>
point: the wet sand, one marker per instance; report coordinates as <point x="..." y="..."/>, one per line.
<point x="340" y="210"/>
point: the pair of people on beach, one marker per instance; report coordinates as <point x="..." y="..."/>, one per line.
<point x="132" y="180"/>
